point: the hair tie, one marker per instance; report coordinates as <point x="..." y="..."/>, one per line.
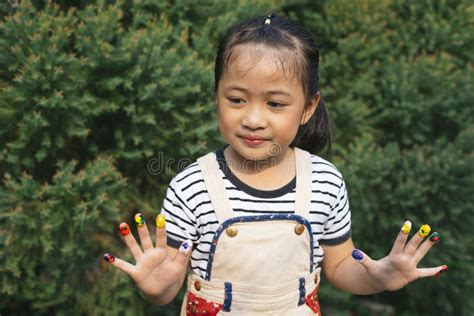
<point x="268" y="19"/>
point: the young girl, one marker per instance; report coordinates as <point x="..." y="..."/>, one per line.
<point x="257" y="220"/>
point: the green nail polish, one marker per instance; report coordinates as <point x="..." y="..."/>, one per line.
<point x="139" y="219"/>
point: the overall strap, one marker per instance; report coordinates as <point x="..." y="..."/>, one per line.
<point x="303" y="182"/>
<point x="215" y="187"/>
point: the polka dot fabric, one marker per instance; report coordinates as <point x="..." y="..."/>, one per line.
<point x="201" y="307"/>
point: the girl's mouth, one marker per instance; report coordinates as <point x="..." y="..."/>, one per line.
<point x="252" y="141"/>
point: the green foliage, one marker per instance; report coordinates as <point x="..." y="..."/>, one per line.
<point x="52" y="233"/>
<point x="127" y="80"/>
<point x="82" y="85"/>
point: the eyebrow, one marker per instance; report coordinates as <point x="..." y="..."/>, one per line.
<point x="239" y="88"/>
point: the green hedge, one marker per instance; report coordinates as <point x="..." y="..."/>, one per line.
<point x="93" y="92"/>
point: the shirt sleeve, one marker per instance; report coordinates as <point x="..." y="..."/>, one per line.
<point x="181" y="221"/>
<point x="338" y="225"/>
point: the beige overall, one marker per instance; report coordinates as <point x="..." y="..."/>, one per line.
<point x="258" y="265"/>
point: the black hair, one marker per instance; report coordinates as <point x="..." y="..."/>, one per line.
<point x="278" y="32"/>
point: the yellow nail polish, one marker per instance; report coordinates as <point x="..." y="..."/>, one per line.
<point x="406" y="227"/>
<point x="160" y="221"/>
<point x="424" y="230"/>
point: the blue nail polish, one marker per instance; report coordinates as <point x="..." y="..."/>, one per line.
<point x="356" y="254"/>
<point x="185" y="247"/>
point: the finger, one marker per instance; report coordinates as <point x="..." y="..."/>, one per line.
<point x="119" y="263"/>
<point x="417" y="239"/>
<point x="364" y="259"/>
<point x="425" y="247"/>
<point x="143" y="232"/>
<point x="401" y="240"/>
<point x="161" y="231"/>
<point x="429" y="272"/>
<point x="130" y="241"/>
<point x="183" y="252"/>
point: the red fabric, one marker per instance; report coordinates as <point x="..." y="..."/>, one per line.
<point x="313" y="302"/>
<point x="200" y="307"/>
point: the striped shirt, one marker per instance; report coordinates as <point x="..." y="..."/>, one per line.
<point x="189" y="214"/>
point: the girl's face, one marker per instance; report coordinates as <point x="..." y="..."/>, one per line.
<point x="259" y="99"/>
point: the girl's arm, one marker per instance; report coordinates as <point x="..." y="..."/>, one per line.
<point x="346" y="274"/>
<point x="351" y="270"/>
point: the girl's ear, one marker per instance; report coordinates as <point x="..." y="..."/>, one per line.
<point x="310" y="108"/>
<point x="215" y="103"/>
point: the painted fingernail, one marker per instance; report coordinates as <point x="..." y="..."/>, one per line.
<point x="186" y="247"/>
<point x="444" y="269"/>
<point x="356" y="254"/>
<point x="160" y="221"/>
<point x="139" y="219"/>
<point x="434" y="237"/>
<point x="109" y="258"/>
<point x="424" y="230"/>
<point x="406" y="227"/>
<point x="124" y="229"/>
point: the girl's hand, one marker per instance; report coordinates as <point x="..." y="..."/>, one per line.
<point x="399" y="268"/>
<point x="154" y="271"/>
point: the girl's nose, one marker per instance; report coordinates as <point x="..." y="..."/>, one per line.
<point x="254" y="118"/>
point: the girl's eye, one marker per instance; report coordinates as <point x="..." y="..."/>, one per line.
<point x="235" y="100"/>
<point x="276" y="105"/>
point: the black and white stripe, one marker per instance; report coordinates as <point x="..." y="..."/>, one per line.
<point x="189" y="213"/>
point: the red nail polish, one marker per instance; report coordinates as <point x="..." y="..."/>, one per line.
<point x="124" y="229"/>
<point x="109" y="258"/>
<point x="444" y="269"/>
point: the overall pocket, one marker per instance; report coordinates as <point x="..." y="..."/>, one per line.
<point x="197" y="306"/>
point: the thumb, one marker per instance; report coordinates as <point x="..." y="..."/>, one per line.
<point x="363" y="259"/>
<point x="183" y="253"/>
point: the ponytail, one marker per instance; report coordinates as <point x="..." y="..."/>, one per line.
<point x="316" y="134"/>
